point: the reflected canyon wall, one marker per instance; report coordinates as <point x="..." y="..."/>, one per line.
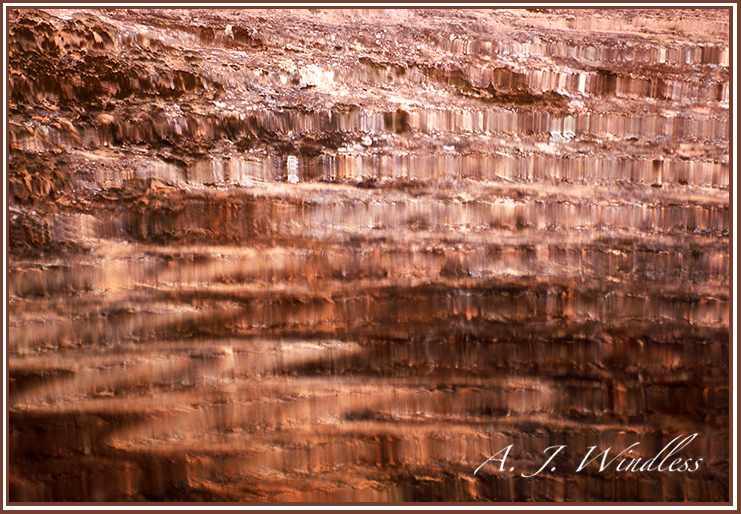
<point x="349" y="255"/>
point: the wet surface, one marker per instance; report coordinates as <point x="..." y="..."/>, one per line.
<point x="349" y="255"/>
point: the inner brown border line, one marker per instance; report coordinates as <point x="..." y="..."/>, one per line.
<point x="445" y="4"/>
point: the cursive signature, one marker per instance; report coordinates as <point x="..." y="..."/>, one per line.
<point x="623" y="461"/>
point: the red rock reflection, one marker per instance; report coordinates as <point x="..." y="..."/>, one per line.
<point x="349" y="255"/>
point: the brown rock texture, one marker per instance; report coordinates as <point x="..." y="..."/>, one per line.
<point x="347" y="255"/>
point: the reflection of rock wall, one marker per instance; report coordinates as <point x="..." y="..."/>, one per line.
<point x="349" y="255"/>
